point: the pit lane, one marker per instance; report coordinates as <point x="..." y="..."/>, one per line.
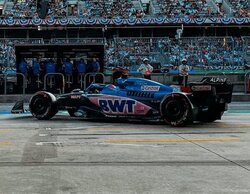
<point x="69" y="155"/>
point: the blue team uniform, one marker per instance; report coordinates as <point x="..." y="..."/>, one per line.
<point x="68" y="68"/>
<point x="23" y="67"/>
<point x="96" y="66"/>
<point x="36" y="68"/>
<point x="81" y="68"/>
<point x="50" y="68"/>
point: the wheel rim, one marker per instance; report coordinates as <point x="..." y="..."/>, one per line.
<point x="175" y="110"/>
<point x="40" y="106"/>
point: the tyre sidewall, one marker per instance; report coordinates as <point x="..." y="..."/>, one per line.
<point x="51" y="108"/>
<point x="184" y="107"/>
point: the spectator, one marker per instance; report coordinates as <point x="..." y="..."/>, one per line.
<point x="183" y="72"/>
<point x="146" y="69"/>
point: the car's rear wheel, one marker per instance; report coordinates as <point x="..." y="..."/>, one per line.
<point x="43" y="106"/>
<point x="176" y="110"/>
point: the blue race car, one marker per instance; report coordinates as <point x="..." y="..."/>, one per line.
<point x="137" y="98"/>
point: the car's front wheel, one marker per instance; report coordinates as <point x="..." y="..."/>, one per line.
<point x="43" y="105"/>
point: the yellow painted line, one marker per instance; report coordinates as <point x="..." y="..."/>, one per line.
<point x="171" y="140"/>
<point x="234" y="126"/>
<point x="5" y="143"/>
<point x="5" y="130"/>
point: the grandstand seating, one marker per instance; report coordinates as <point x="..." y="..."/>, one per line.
<point x="183" y="8"/>
<point x="202" y="53"/>
<point x="19" y="9"/>
<point x="240" y="8"/>
<point x="128" y="8"/>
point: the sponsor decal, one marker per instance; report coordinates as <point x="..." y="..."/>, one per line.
<point x="202" y="88"/>
<point x="75" y="97"/>
<point x="117" y="105"/>
<point x="217" y="79"/>
<point x="120" y="106"/>
<point x="150" y="88"/>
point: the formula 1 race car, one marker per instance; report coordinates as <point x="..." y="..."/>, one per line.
<point x="137" y="98"/>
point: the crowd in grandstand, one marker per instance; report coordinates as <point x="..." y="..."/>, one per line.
<point x="58" y="9"/>
<point x="206" y="53"/>
<point x="201" y="52"/>
<point x="183" y="8"/>
<point x="22" y="9"/>
<point x="127" y="8"/>
<point x="124" y="51"/>
<point x="107" y="9"/>
<point x="7" y="53"/>
<point x="240" y="8"/>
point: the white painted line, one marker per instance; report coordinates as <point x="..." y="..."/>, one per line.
<point x="43" y="135"/>
<point x="59" y="144"/>
<point x="134" y="145"/>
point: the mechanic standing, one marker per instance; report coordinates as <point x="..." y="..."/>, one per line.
<point x="146" y="69"/>
<point x="183" y="72"/>
<point x="67" y="67"/>
<point x="81" y="67"/>
<point x="50" y="67"/>
<point x="23" y="67"/>
<point x="36" y="67"/>
<point x="95" y="66"/>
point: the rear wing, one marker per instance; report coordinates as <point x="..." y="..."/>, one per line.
<point x="219" y="87"/>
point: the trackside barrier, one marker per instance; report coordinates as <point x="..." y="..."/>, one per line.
<point x="38" y="81"/>
<point x="69" y="80"/>
<point x="10" y="75"/>
<point x="223" y="73"/>
<point x="247" y="82"/>
<point x="161" y="77"/>
<point x="80" y="79"/>
<point x="92" y="78"/>
<point x="54" y="74"/>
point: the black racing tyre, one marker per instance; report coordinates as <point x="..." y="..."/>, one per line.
<point x="43" y="105"/>
<point x="176" y="110"/>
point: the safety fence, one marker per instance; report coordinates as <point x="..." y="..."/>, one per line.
<point x="53" y="82"/>
<point x="60" y="83"/>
